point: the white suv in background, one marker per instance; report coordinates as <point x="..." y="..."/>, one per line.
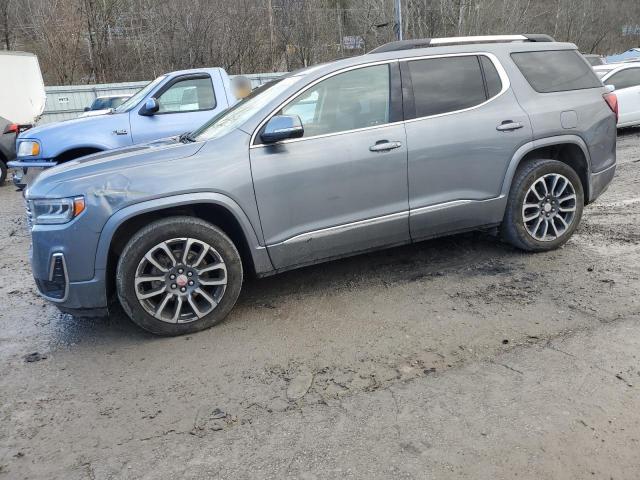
<point x="625" y="77"/>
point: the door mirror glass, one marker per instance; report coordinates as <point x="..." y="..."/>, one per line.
<point x="282" y="127"/>
<point x="151" y="106"/>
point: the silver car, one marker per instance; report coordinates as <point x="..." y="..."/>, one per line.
<point x="417" y="139"/>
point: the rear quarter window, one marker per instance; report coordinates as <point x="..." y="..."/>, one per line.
<point x="556" y="70"/>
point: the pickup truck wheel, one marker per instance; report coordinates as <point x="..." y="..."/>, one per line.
<point x="179" y="275"/>
<point x="544" y="207"/>
<point x="3" y="172"/>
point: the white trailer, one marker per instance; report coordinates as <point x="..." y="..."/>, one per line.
<point x="22" y="95"/>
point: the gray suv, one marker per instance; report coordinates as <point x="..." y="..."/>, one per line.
<point x="417" y="139"/>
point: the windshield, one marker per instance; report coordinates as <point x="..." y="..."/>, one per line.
<point x="232" y="118"/>
<point x="135" y="99"/>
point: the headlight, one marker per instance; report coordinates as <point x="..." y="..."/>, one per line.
<point x="53" y="211"/>
<point x="28" y="148"/>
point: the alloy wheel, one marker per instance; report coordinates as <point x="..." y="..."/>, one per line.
<point x="180" y="280"/>
<point x="549" y="207"/>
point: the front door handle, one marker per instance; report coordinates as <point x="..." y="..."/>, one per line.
<point x="384" y="146"/>
<point x="509" y="125"/>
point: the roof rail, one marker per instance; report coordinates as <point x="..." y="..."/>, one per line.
<point x="438" y="42"/>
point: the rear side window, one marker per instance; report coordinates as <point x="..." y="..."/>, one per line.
<point x="625" y="78"/>
<point x="442" y="85"/>
<point x="556" y="70"/>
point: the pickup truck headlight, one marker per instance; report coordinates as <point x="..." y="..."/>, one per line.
<point x="28" y="148"/>
<point x="54" y="211"/>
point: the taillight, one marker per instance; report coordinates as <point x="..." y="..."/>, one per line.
<point x="12" y="128"/>
<point x="612" y="101"/>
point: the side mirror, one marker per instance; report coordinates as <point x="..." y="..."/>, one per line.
<point x="610" y="88"/>
<point x="282" y="127"/>
<point x="87" y="109"/>
<point x="151" y="106"/>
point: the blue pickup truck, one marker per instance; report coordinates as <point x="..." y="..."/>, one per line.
<point x="172" y="104"/>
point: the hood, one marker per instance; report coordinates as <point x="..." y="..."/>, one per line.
<point x="116" y="161"/>
<point x="83" y="122"/>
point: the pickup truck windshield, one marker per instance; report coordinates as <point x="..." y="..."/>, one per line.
<point x="235" y="116"/>
<point x="135" y="99"/>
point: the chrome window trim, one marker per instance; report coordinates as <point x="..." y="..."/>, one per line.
<point x="502" y="73"/>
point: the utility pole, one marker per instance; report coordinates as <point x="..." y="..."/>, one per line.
<point x="271" y="40"/>
<point x="398" y="26"/>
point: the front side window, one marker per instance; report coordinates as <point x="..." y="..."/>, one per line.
<point x="188" y="95"/>
<point x="442" y="85"/>
<point x="348" y="101"/>
<point x="625" y="78"/>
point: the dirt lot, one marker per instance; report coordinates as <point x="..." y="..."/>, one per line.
<point x="454" y="358"/>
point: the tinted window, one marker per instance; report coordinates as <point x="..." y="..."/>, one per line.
<point x="443" y="85"/>
<point x="625" y="78"/>
<point x="347" y="101"/>
<point x="494" y="84"/>
<point x="187" y="96"/>
<point x="556" y="71"/>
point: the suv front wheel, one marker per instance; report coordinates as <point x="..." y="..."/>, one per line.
<point x="179" y="275"/>
<point x="544" y="206"/>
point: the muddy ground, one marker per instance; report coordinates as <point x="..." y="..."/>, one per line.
<point x="453" y="358"/>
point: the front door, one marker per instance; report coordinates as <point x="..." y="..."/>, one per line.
<point x="463" y="129"/>
<point x="342" y="187"/>
<point x="185" y="104"/>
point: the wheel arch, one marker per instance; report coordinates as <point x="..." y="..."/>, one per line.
<point x="569" y="149"/>
<point x="77" y="152"/>
<point x="213" y="208"/>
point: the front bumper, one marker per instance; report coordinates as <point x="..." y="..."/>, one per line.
<point x="25" y="171"/>
<point x="86" y="299"/>
<point x="63" y="265"/>
<point x="600" y="181"/>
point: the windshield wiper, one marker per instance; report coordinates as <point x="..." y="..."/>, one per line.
<point x="186" y="138"/>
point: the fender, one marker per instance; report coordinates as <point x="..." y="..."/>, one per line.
<point x="259" y="255"/>
<point x="535" y="144"/>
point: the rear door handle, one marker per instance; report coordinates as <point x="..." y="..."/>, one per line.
<point x="384" y="146"/>
<point x="509" y="125"/>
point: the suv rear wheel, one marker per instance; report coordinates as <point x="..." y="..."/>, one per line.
<point x="179" y="275"/>
<point x="544" y="206"/>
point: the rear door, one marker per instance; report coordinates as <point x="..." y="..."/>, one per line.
<point x="627" y="83"/>
<point x="342" y="187"/>
<point x="463" y="128"/>
<point x="186" y="102"/>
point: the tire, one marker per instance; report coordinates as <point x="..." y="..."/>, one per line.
<point x="145" y="253"/>
<point x="524" y="226"/>
<point x="3" y="172"/>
